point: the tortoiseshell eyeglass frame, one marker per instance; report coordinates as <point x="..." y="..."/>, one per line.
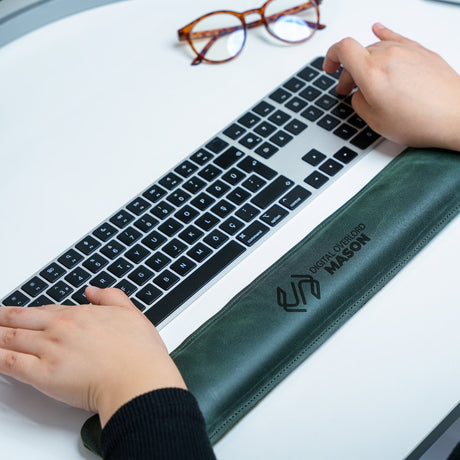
<point x="186" y="34"/>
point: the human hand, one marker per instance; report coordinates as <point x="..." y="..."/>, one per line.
<point x="405" y="92"/>
<point x="95" y="357"/>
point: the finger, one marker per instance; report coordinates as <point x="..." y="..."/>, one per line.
<point x="362" y="107"/>
<point x="351" y="55"/>
<point x="346" y="83"/>
<point x="384" y="33"/>
<point x="20" y="340"/>
<point x="108" y="296"/>
<point x="25" y="318"/>
<point x="23" y="367"/>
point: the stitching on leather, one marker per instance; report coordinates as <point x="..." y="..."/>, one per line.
<point x="358" y="304"/>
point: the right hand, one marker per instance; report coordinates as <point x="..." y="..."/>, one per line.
<point x="405" y="92"/>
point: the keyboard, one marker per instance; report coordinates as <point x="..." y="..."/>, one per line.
<point x="177" y="237"/>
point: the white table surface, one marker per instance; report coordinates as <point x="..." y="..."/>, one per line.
<point x="94" y="107"/>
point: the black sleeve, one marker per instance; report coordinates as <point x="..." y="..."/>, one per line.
<point x="163" y="424"/>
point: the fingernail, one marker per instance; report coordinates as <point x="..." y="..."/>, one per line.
<point x="380" y="26"/>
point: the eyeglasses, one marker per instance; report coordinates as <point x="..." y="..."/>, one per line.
<point x="219" y="36"/>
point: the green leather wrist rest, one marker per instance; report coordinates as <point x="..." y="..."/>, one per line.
<point x="279" y="319"/>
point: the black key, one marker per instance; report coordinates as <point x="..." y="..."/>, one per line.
<point x="326" y="102"/>
<point x="105" y="232"/>
<point x="138" y="304"/>
<point x="308" y="74"/>
<point x="120" y="267"/>
<point x="112" y="250"/>
<point x="216" y="145"/>
<point x="331" y="167"/>
<point x="149" y="294"/>
<point x="191" y="234"/>
<point x="129" y="236"/>
<point x="294" y="84"/>
<point x="40" y="301"/>
<point x="295" y="104"/>
<point x="357" y="121"/>
<point x="314" y="157"/>
<point x="170" y="181"/>
<point x="345" y="155"/>
<point x="199" y="252"/>
<point x="174" y="248"/>
<point x="272" y="191"/>
<point x="345" y="131"/>
<point x="87" y="245"/>
<point x="146" y="223"/>
<point x="342" y="111"/>
<point x="186" y="169"/>
<point x="163" y="210"/>
<point x="233" y="176"/>
<point x="323" y="82"/>
<point x="122" y="219"/>
<point x="251" y="234"/>
<point x="16" y="299"/>
<point x="59" y="291"/>
<point x="186" y="214"/>
<point x="280" y="95"/>
<point x="154" y="240"/>
<point x="365" y="138"/>
<point x="137" y="253"/>
<point x="223" y="208"/>
<point x="137" y="206"/>
<point x="316" y="179"/>
<point x="234" y="131"/>
<point x="80" y="297"/>
<point x="279" y="118"/>
<point x="201" y="157"/>
<point x="209" y="172"/>
<point x="154" y="193"/>
<point x="247" y="212"/>
<point x="265" y="129"/>
<point x="238" y="195"/>
<point x="249" y="165"/>
<point x="166" y="280"/>
<point x="266" y="150"/>
<point x="103" y="280"/>
<point x="195" y="281"/>
<point x="96" y="262"/>
<point x="52" y="272"/>
<point x="218" y="188"/>
<point x="328" y="122"/>
<point x="202" y="201"/>
<point x="70" y="258"/>
<point x="274" y="215"/>
<point x="281" y="138"/>
<point x="140" y="275"/>
<point x="312" y="113"/>
<point x="231" y="225"/>
<point x="295" y="127"/>
<point x="310" y="93"/>
<point x="254" y="183"/>
<point x="194" y="185"/>
<point x="178" y="197"/>
<point x="250" y="140"/>
<point x="215" y="239"/>
<point x="295" y="197"/>
<point x="77" y="277"/>
<point x="207" y="221"/>
<point x="127" y="287"/>
<point x="158" y="261"/>
<point x="230" y="156"/>
<point x="263" y="108"/>
<point x="249" y="120"/>
<point x="170" y="227"/>
<point x="337" y="73"/>
<point x="318" y="63"/>
<point x="183" y="265"/>
<point x="34" y="286"/>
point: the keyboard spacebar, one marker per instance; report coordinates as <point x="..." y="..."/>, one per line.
<point x="194" y="282"/>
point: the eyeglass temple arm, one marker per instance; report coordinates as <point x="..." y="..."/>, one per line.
<point x="203" y="52"/>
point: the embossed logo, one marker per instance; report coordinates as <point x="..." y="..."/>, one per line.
<point x="295" y="301"/>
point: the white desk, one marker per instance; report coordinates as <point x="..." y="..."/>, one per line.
<point x="96" y="106"/>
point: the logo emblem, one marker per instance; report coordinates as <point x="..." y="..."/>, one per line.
<point x="298" y="283"/>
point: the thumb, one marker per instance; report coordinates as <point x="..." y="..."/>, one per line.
<point x="384" y="33"/>
<point x="107" y="296"/>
